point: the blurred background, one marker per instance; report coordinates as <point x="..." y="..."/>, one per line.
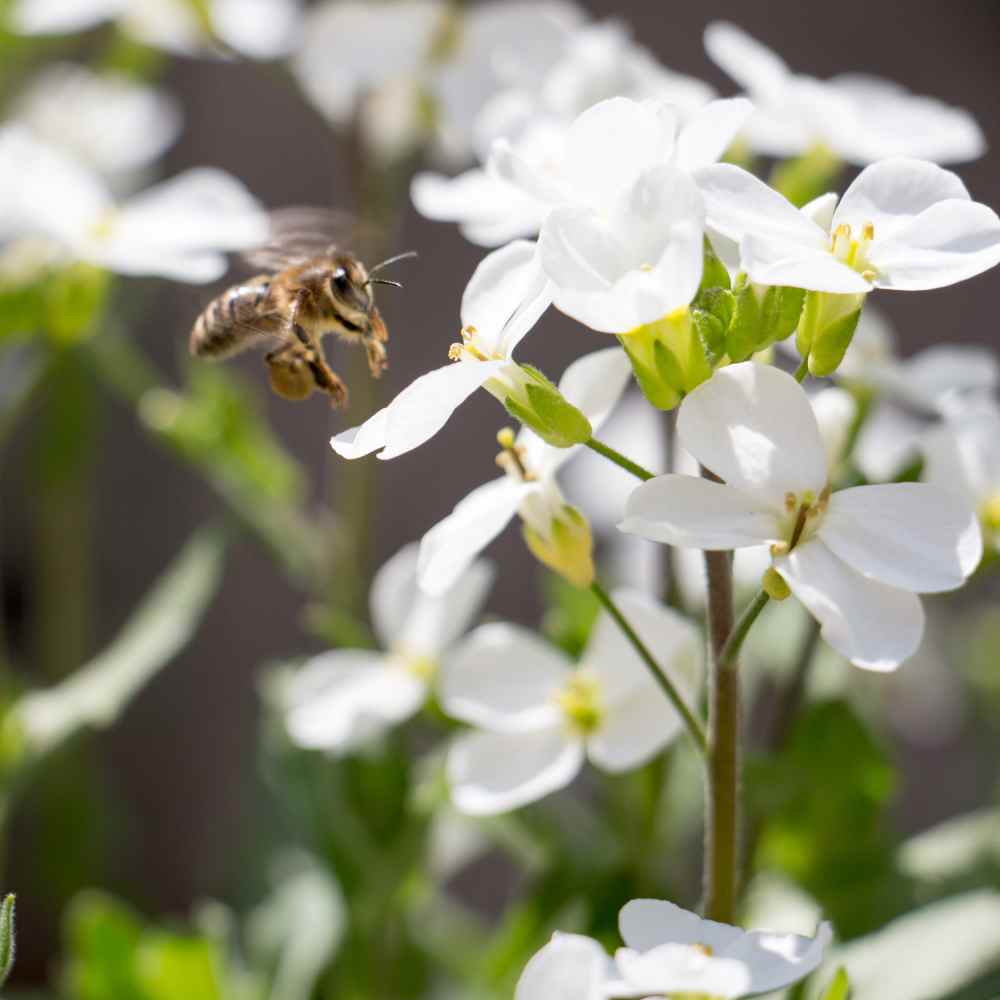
<point x="178" y="812"/>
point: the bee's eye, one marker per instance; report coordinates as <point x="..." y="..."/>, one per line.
<point x="340" y="281"/>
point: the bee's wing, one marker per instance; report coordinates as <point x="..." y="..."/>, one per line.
<point x="301" y="232"/>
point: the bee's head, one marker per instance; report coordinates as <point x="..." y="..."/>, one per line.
<point x="350" y="288"/>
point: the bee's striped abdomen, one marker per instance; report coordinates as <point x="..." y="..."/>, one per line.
<point x="235" y="320"/>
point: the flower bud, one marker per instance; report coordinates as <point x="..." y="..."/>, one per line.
<point x="668" y="357"/>
<point x="530" y="397"/>
<point x="773" y="584"/>
<point x="567" y="547"/>
<point x="764" y="315"/>
<point x="828" y="323"/>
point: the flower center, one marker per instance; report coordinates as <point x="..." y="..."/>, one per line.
<point x="512" y="457"/>
<point x="804" y="513"/>
<point x="423" y="668"/>
<point x="989" y="513"/>
<point x="472" y="348"/>
<point x="854" y="252"/>
<point x="580" y="701"/>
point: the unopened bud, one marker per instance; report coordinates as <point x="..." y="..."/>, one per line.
<point x="826" y="329"/>
<point x="567" y="548"/>
<point x="764" y="315"/>
<point x="505" y="438"/>
<point x="773" y="584"/>
<point x="531" y="398"/>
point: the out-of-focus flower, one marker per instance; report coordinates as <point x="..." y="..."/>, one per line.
<point x="593" y="384"/>
<point x="506" y="295"/>
<point x="671" y="951"/>
<point x="858" y="118"/>
<point x="856" y="558"/>
<point x="342" y="699"/>
<point x="569" y="967"/>
<point x="623" y="238"/>
<point x="538" y="718"/>
<point x="261" y="29"/>
<point x="107" y="121"/>
<point x="440" y="64"/>
<point x="178" y="229"/>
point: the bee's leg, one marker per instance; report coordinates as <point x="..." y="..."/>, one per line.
<point x="312" y="355"/>
<point x="375" y="342"/>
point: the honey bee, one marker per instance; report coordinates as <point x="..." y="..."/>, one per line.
<point x="312" y="287"/>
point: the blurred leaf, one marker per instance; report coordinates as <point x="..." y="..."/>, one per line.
<point x="101" y="939"/>
<point x="570" y="614"/>
<point x="165" y="622"/>
<point x="22" y="370"/>
<point x="296" y="932"/>
<point x="821" y="805"/>
<point x="6" y="937"/>
<point x="172" y="966"/>
<point x="927" y="954"/>
<point x="962" y="846"/>
<point x="62" y="303"/>
<point x="839" y="988"/>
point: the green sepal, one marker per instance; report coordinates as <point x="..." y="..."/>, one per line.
<point x="839" y="987"/>
<point x="714" y="273"/>
<point x="741" y="338"/>
<point x="662" y="395"/>
<point x="763" y="317"/>
<point x="548" y="413"/>
<point x="780" y="312"/>
<point x="569" y="549"/>
<point x="6" y="937"/>
<point x="712" y="318"/>
<point x="830" y="345"/>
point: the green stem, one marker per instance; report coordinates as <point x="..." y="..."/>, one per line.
<point x="694" y="726"/>
<point x="802" y="371"/>
<point x="734" y="642"/>
<point x="620" y="460"/>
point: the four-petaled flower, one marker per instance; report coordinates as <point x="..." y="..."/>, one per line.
<point x="341" y="699"/>
<point x="856" y="558"/>
<point x="538" y="718"/>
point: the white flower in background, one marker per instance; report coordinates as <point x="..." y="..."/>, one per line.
<point x="622" y="242"/>
<point x="600" y="61"/>
<point x="857" y="117"/>
<point x="419" y="66"/>
<point x="902" y="224"/>
<point x="669" y="951"/>
<point x="856" y="558"/>
<point x="107" y="121"/>
<point x="593" y="384"/>
<point x="504" y="299"/>
<point x="569" y="967"/>
<point x="342" y="699"/>
<point x="178" y="229"/>
<point x="538" y="718"/>
<point x="261" y="29"/>
<point x="963" y="455"/>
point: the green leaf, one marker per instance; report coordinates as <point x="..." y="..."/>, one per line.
<point x="839" y="988"/>
<point x="163" y="624"/>
<point x="171" y="966"/>
<point x="6" y="937"/>
<point x="101" y="939"/>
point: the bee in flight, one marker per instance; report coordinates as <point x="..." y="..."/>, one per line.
<point x="312" y="287"/>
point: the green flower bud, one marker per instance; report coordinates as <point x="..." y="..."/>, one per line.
<point x="669" y="357"/>
<point x="826" y="329"/>
<point x="567" y="548"/>
<point x="764" y="315"/>
<point x="714" y="273"/>
<point x="773" y="584"/>
<point x="531" y="398"/>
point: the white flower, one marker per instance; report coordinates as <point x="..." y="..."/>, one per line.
<point x="963" y="456"/>
<point x="856" y="558"/>
<point x="504" y="299"/>
<point x="345" y="697"/>
<point x="622" y="240"/>
<point x="179" y="229"/>
<point x="903" y="224"/>
<point x="538" y="717"/>
<point x="669" y="950"/>
<point x="859" y="118"/>
<point x="105" y="120"/>
<point x="261" y="29"/>
<point x="593" y="384"/>
<point x="569" y="967"/>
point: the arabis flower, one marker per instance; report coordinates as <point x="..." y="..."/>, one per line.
<point x="506" y="295"/>
<point x="622" y="240"/>
<point x="343" y="698"/>
<point x="856" y="558"/>
<point x="858" y="118"/>
<point x="261" y="29"/>
<point x="569" y="967"/>
<point x="903" y="224"/>
<point x="106" y="120"/>
<point x="178" y="229"/>
<point x="538" y="718"/>
<point x="669" y="951"/>
<point x="594" y="384"/>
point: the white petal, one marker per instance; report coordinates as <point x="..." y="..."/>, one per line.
<point x="777" y="262"/>
<point x="393" y="591"/>
<point x="494" y="773"/>
<point x="633" y="731"/>
<point x="943" y="370"/>
<point x="738" y="205"/>
<point x="908" y="535"/>
<point x="505" y="296"/>
<point x="261" y="29"/>
<point x="836" y="411"/>
<point x="694" y="512"/>
<point x="871" y="624"/>
<point x="611" y="142"/>
<point x="363" y="439"/>
<point x="504" y="678"/>
<point x="426" y="404"/>
<point x="890" y="193"/>
<point x="452" y="544"/>
<point x="752" y="65"/>
<point x="752" y="425"/>
<point x="569" y="967"/>
<point x="964" y="456"/>
<point x="776" y="961"/>
<point x="710" y="131"/>
<point x="646" y="923"/>
<point x="41" y="17"/>
<point x="522" y="173"/>
<point x="682" y="969"/>
<point x="821" y="210"/>
<point x="947" y="243"/>
<point x="343" y="698"/>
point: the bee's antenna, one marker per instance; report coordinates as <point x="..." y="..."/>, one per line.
<point x="383" y="281"/>
<point x="391" y="260"/>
